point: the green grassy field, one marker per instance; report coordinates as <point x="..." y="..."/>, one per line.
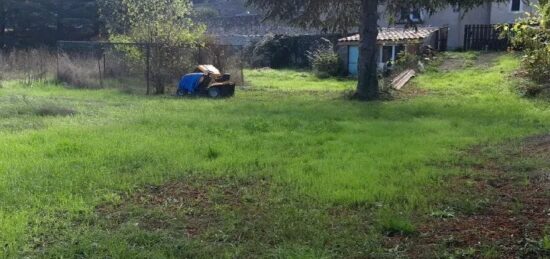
<point x="292" y="80"/>
<point x="270" y="172"/>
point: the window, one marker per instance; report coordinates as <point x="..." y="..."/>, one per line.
<point x="387" y="53"/>
<point x="515" y="6"/>
<point x="398" y="50"/>
<point x="390" y="53"/>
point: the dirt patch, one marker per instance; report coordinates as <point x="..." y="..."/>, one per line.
<point x="502" y="211"/>
<point x="487" y="60"/>
<point x="408" y="92"/>
<point x="190" y="206"/>
<point x="458" y="61"/>
<point x="451" y="64"/>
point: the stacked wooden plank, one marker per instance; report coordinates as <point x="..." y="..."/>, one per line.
<point x="402" y="79"/>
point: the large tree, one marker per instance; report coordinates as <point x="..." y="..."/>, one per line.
<point x="343" y="15"/>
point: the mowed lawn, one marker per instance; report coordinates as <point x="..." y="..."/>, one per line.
<point x="273" y="172"/>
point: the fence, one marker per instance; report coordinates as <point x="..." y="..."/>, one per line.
<point x="441" y="39"/>
<point x="27" y="65"/>
<point x="484" y="37"/>
<point x="140" y="68"/>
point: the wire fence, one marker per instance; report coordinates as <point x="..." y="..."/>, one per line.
<point x="132" y="67"/>
<point x="140" y="68"/>
<point x="27" y="65"/>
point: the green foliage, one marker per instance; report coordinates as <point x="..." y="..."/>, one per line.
<point x="392" y="224"/>
<point x="532" y="35"/>
<point x="282" y="51"/>
<point x="154" y="21"/>
<point x="165" y="26"/>
<point x="406" y="60"/>
<point x="546" y="243"/>
<point x="295" y="80"/>
<point x="324" y="61"/>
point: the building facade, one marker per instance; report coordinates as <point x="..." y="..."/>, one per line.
<point x="456" y="19"/>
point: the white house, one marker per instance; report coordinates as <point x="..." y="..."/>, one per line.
<point x="452" y="34"/>
<point x="391" y="42"/>
<point x="456" y="19"/>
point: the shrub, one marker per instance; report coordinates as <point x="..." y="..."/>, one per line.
<point x="278" y="51"/>
<point x="324" y="60"/>
<point x="270" y="51"/>
<point x="406" y="60"/>
<point x="532" y="35"/>
<point x="325" y="63"/>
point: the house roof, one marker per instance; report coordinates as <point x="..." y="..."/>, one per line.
<point x="396" y="34"/>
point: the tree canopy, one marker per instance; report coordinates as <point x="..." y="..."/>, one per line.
<point x="152" y="21"/>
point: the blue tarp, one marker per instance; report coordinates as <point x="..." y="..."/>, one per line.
<point x="190" y="82"/>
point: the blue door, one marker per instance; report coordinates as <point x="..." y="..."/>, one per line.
<point x="353" y="60"/>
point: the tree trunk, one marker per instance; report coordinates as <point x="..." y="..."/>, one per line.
<point x="367" y="88"/>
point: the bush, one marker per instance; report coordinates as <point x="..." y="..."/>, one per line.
<point x="325" y="62"/>
<point x="279" y="51"/>
<point x="406" y="60"/>
<point x="532" y="35"/>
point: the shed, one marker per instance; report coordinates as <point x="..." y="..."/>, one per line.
<point x="391" y="42"/>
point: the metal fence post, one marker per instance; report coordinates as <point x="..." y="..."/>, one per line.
<point x="57" y="73"/>
<point x="148" y="68"/>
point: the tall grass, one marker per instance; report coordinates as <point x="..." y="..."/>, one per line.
<point x="323" y="148"/>
<point x="28" y="66"/>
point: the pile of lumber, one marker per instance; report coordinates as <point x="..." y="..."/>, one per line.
<point x="402" y="79"/>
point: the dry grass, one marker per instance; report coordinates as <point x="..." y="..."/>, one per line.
<point x="79" y="71"/>
<point x="29" y="66"/>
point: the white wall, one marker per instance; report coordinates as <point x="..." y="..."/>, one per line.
<point x="501" y="12"/>
<point x="455" y="20"/>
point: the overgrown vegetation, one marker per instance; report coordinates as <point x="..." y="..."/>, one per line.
<point x="324" y="60"/>
<point x="280" y="51"/>
<point x="270" y="173"/>
<point x="531" y="34"/>
<point x="164" y="26"/>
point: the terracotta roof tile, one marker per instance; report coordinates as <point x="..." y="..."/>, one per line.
<point x="396" y="34"/>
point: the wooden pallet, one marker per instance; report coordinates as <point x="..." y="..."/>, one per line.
<point x="402" y="79"/>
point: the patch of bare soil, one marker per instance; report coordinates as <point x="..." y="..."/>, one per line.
<point x="190" y="206"/>
<point x="450" y="64"/>
<point x="484" y="60"/>
<point x="408" y="92"/>
<point x="513" y="213"/>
